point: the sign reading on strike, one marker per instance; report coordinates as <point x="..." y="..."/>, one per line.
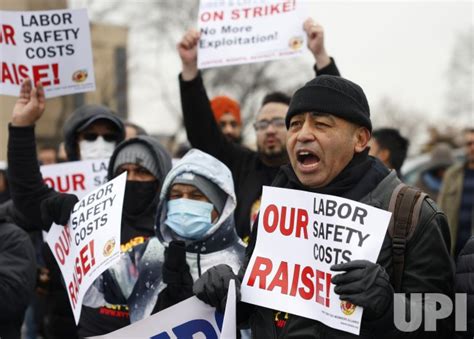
<point x="190" y="318"/>
<point x="76" y="177"/>
<point x="300" y="236"/>
<point x="90" y="243"/>
<point x="51" y="47"/>
<point x="240" y="32"/>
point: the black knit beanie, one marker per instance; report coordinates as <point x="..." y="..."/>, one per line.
<point x="333" y="95"/>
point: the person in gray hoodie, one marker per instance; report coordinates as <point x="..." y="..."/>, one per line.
<point x="194" y="232"/>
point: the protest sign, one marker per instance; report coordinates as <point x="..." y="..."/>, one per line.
<point x="300" y="235"/>
<point x="52" y="47"/>
<point x="90" y="243"/>
<point x="76" y="177"/>
<point x="188" y="319"/>
<point x="239" y="32"/>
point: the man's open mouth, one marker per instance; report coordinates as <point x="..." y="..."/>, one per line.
<point x="307" y="158"/>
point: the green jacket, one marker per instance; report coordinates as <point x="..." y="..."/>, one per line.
<point x="449" y="200"/>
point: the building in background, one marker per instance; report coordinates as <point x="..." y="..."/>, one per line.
<point x="110" y="66"/>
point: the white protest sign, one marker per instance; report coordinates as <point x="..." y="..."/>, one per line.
<point x="53" y="47"/>
<point x="190" y="318"/>
<point x="76" y="177"/>
<point x="90" y="243"/>
<point x="300" y="235"/>
<point x="240" y="32"/>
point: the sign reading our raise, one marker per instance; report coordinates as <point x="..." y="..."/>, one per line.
<point x="300" y="235"/>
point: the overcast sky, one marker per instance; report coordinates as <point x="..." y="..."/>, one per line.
<point x="398" y="49"/>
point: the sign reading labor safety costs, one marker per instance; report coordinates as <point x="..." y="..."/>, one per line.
<point x="51" y="47"/>
<point x="90" y="243"/>
<point x="240" y="32"/>
<point x="300" y="236"/>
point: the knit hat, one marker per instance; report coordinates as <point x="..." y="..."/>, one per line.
<point x="221" y="105"/>
<point x="214" y="193"/>
<point x="333" y="95"/>
<point x="441" y="156"/>
<point x="139" y="154"/>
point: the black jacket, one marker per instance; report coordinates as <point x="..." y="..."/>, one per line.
<point x="248" y="170"/>
<point x="17" y="277"/>
<point x="465" y="282"/>
<point x="428" y="267"/>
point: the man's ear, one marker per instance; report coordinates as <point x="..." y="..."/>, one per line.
<point x="362" y="137"/>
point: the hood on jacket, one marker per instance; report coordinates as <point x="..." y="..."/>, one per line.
<point x="160" y="155"/>
<point x="83" y="116"/>
<point x="205" y="165"/>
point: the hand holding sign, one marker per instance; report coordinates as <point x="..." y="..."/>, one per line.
<point x="364" y="284"/>
<point x="213" y="285"/>
<point x="30" y="105"/>
<point x="57" y="209"/>
<point x="187" y="49"/>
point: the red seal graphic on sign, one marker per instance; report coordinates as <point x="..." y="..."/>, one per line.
<point x="347" y="308"/>
<point x="79" y="76"/>
<point x="109" y="247"/>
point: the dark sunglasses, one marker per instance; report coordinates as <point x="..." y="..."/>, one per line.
<point x="109" y="137"/>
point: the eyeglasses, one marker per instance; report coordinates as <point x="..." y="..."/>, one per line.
<point x="107" y="136"/>
<point x="263" y="124"/>
<point x="469" y="143"/>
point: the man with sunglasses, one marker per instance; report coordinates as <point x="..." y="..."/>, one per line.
<point x="92" y="132"/>
<point x="251" y="170"/>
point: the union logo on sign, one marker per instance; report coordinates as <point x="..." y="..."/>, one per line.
<point x="109" y="247"/>
<point x="80" y="75"/>
<point x="347" y="308"/>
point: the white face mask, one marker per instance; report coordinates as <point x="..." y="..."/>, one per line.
<point x="97" y="149"/>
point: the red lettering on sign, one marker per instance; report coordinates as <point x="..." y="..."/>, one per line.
<point x="7" y="35"/>
<point x="297" y="223"/>
<point x="307" y="282"/>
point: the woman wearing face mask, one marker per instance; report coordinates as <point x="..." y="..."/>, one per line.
<point x="195" y="231"/>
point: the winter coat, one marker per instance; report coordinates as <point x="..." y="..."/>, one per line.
<point x="17" y="278"/>
<point x="428" y="268"/>
<point x="138" y="276"/>
<point x="465" y="281"/>
<point x="449" y="200"/>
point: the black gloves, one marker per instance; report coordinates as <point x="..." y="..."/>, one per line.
<point x="57" y="209"/>
<point x="176" y="276"/>
<point x="364" y="284"/>
<point x="175" y="269"/>
<point x="212" y="286"/>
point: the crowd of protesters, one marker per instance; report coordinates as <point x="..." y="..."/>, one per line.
<point x="195" y="223"/>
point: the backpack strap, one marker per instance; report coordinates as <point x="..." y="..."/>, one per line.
<point x="405" y="205"/>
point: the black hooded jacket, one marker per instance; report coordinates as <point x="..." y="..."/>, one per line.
<point x="84" y="115"/>
<point x="135" y="230"/>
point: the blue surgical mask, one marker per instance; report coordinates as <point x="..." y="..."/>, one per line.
<point x="190" y="219"/>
